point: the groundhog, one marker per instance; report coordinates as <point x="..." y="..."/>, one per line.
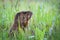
<point x="21" y="19"/>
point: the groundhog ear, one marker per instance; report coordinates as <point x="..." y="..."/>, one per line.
<point x="29" y="15"/>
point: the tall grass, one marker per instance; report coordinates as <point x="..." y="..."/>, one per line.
<point x="40" y="23"/>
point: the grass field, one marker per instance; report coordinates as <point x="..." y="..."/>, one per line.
<point x="45" y="21"/>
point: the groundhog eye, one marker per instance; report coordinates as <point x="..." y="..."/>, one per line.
<point x="23" y="17"/>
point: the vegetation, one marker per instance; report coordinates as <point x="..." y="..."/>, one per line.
<point x="45" y="22"/>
